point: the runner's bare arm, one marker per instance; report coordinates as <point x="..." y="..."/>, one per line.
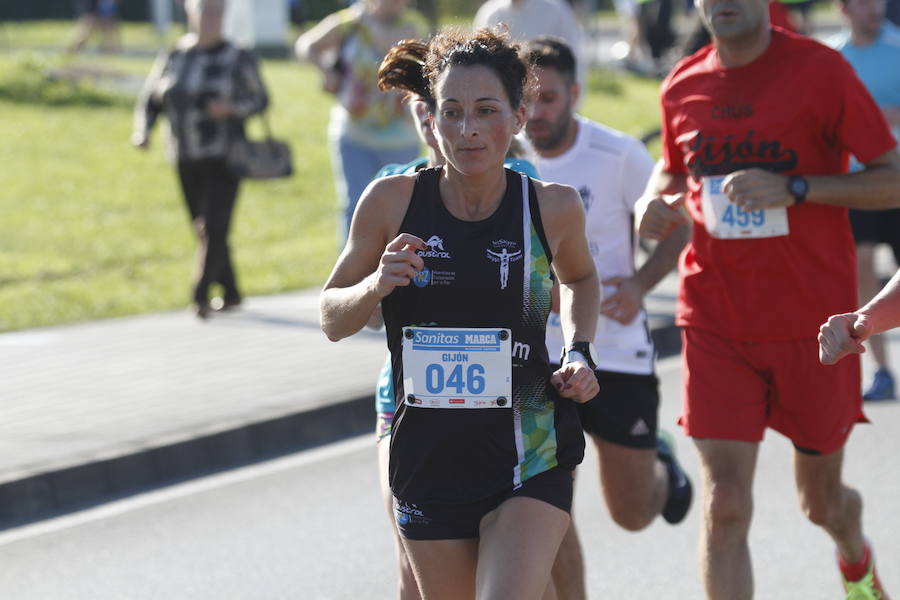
<point x="324" y="37"/>
<point x="375" y="260"/>
<point x="884" y="309"/>
<point x="321" y="44"/>
<point x="873" y="188"/>
<point x="844" y="334"/>
<point x="563" y="216"/>
<point x="661" y="209"/>
<point x="623" y="305"/>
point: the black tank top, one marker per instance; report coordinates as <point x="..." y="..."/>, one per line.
<point x="489" y="273"/>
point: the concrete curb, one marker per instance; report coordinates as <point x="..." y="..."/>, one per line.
<point x="69" y="489"/>
<point x="56" y="492"/>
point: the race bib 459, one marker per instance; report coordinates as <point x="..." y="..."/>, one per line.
<point x="725" y="220"/>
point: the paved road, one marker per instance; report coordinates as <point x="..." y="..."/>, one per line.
<point x="311" y="526"/>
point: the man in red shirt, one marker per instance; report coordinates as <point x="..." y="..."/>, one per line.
<point x="757" y="130"/>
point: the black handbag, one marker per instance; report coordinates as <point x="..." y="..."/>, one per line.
<point x="266" y="159"/>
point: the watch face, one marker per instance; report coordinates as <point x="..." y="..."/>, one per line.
<point x="798" y="187"/>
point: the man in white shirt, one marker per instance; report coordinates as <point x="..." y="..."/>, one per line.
<point x="638" y="471"/>
<point x="529" y="19"/>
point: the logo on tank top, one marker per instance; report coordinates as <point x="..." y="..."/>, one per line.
<point x="504" y="252"/>
<point x="435" y="249"/>
<point x="422" y="278"/>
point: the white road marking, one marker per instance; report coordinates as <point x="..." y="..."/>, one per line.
<point x="189" y="488"/>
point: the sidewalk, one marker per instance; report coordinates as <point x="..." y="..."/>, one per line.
<point x="98" y="410"/>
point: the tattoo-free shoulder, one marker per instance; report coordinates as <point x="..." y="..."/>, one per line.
<point x="556" y="199"/>
<point x="385" y="201"/>
<point x="561" y="211"/>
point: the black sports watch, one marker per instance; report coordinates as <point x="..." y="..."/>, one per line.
<point x="586" y="349"/>
<point x="798" y="187"/>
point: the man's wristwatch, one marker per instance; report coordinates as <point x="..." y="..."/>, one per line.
<point x="798" y="187"/>
<point x="584" y="350"/>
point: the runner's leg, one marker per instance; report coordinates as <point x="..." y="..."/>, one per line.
<point x="828" y="503"/>
<point x="634" y="481"/>
<point x="408" y="590"/>
<point x="568" y="568"/>
<point x="444" y="569"/>
<point x="519" y="540"/>
<point x="727" y="471"/>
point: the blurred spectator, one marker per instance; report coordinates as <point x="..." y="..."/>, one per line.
<point x="871" y="45"/>
<point x="207" y="88"/>
<point x="630" y="50"/>
<point x="530" y="19"/>
<point x="97" y="15"/>
<point x="654" y="20"/>
<point x="368" y="128"/>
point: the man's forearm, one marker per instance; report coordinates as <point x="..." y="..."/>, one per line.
<point x="884" y="309"/>
<point x="660" y="183"/>
<point x="876" y="187"/>
<point x="579" y="308"/>
<point x="663" y="258"/>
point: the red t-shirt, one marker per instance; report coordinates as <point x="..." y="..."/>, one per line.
<point x="797" y="109"/>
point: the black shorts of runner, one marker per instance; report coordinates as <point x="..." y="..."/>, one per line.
<point x="463" y="521"/>
<point x="625" y="410"/>
<point x="877" y="227"/>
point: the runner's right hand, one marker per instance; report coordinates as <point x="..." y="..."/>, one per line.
<point x="399" y="263"/>
<point x="662" y="215"/>
<point x="843" y="335"/>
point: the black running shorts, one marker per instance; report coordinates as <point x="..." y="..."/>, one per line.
<point x="462" y="521"/>
<point x="625" y="410"/>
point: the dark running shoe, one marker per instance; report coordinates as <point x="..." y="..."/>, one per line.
<point x="882" y="387"/>
<point x="680" y="491"/>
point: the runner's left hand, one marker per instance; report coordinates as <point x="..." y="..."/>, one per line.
<point x="575" y="380"/>
<point x="624" y="304"/>
<point x="755" y="189"/>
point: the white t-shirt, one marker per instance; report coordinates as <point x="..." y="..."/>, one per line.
<point x="536" y="18"/>
<point x="610" y="170"/>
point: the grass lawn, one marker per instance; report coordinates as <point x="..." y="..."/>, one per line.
<point x="92" y="228"/>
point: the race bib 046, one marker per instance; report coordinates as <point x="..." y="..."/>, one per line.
<point x="457" y="367"/>
<point x="725" y="220"/>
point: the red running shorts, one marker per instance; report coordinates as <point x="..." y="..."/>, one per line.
<point x="734" y="390"/>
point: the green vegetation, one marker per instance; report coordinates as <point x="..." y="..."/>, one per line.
<point x="91" y="227"/>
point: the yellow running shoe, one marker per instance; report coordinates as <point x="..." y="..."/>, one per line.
<point x="867" y="588"/>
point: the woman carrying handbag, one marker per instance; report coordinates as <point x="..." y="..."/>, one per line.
<point x="207" y="88"/>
